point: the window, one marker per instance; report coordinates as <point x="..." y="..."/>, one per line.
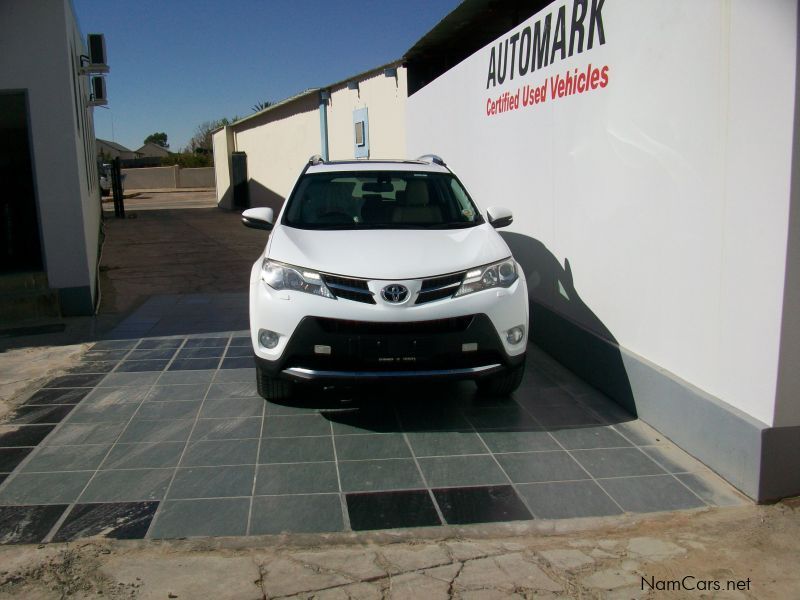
<point x="360" y="134"/>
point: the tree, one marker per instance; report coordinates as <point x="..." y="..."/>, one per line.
<point x="201" y="141"/>
<point x="158" y="138"/>
<point x="259" y="106"/>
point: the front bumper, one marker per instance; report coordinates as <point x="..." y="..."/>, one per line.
<point x="323" y="349"/>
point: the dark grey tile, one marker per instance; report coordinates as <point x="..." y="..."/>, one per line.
<point x="67" y="458"/>
<point x="159" y="344"/>
<point x="525" y="467"/>
<point x="201" y="353"/>
<point x="177" y="393"/>
<point x="120" y="395"/>
<point x="506" y="418"/>
<point x="98" y="366"/>
<point x="712" y="490"/>
<point x="213" y="482"/>
<point x="57" y="396"/>
<point x="445" y="443"/>
<point x="186" y="377"/>
<point x="576" y="438"/>
<point x="191" y="518"/>
<point x="297" y="449"/>
<point x="616" y="462"/>
<point x="130" y="485"/>
<point x="144" y="456"/>
<point x="364" y="421"/>
<point x="546" y="396"/>
<point x="114" y="345"/>
<point x="129" y="379"/>
<point x="206" y="342"/>
<point x="239" y="362"/>
<point x="247" y="375"/>
<point x="104" y="355"/>
<point x="640" y="433"/>
<point x="23" y="435"/>
<point x="28" y="524"/>
<point x="568" y="499"/>
<point x="44" y="488"/>
<point x="194" y="364"/>
<point x="103" y="412"/>
<point x="391" y="510"/>
<point x="296" y="425"/>
<point x="151" y="354"/>
<point x="169" y="410"/>
<point x="139" y="366"/>
<point x="456" y="471"/>
<point x="74" y="381"/>
<point x="316" y="513"/>
<point x="300" y="478"/>
<point x="227" y="429"/>
<point x="491" y="504"/>
<point x="85" y="433"/>
<point x="519" y="441"/>
<point x="232" y="407"/>
<point x="117" y="520"/>
<point x="40" y="414"/>
<point x="673" y="459"/>
<point x="375" y="475"/>
<point x="650" y="493"/>
<point x="11" y="457"/>
<point x="220" y="452"/>
<point x="239" y="389"/>
<point x="239" y="352"/>
<point x="241" y="340"/>
<point x="375" y="446"/>
<point x="420" y="420"/>
<point x="563" y="416"/>
<point x="156" y="431"/>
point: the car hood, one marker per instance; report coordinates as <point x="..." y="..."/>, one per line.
<point x="387" y="253"/>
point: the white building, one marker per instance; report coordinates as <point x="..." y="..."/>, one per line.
<point x="50" y="198"/>
<point x="649" y="151"/>
<point x="258" y="158"/>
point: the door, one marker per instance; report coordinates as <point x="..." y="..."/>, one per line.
<point x="20" y="246"/>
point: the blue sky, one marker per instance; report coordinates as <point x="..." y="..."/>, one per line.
<point x="178" y="63"/>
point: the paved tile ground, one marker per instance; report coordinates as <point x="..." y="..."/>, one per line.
<point x="166" y="437"/>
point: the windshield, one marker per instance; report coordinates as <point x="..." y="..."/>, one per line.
<point x="380" y="200"/>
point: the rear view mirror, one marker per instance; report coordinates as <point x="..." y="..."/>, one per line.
<point x="259" y="218"/>
<point x="499" y="216"/>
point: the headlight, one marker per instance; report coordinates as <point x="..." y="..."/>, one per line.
<point x="501" y="274"/>
<point x="284" y="277"/>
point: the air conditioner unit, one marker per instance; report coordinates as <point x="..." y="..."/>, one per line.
<point x="97" y="54"/>
<point x="98" y="96"/>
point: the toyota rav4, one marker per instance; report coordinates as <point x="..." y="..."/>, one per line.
<point x="385" y="270"/>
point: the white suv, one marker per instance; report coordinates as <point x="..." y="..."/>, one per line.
<point x="385" y="270"/>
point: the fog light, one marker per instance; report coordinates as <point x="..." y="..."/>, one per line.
<point x="268" y="339"/>
<point x="515" y="334"/>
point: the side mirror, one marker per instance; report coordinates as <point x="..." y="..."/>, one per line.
<point x="499" y="216"/>
<point x="259" y="218"/>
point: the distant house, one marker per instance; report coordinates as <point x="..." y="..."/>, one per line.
<point x="150" y="150"/>
<point x="109" y="150"/>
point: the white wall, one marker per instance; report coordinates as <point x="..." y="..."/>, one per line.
<point x="668" y="190"/>
<point x="385" y="99"/>
<point x="41" y="48"/>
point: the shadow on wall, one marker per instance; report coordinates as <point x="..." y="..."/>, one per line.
<point x="260" y="195"/>
<point x="564" y="326"/>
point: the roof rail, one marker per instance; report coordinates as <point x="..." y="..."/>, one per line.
<point x="432" y="158"/>
<point x="316" y="160"/>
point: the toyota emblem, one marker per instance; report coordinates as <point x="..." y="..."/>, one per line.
<point x="395" y="293"/>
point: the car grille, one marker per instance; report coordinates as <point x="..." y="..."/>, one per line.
<point x="437" y="288"/>
<point x="349" y="288"/>
<point x="345" y="327"/>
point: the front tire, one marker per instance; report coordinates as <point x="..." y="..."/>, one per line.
<point x="503" y="383"/>
<point x="273" y="388"/>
